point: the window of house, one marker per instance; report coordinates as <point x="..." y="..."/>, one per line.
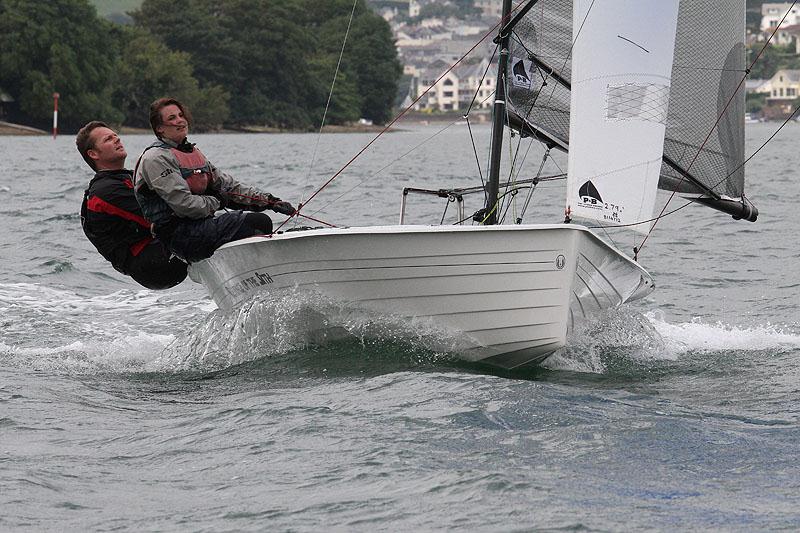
<point x="781" y="91"/>
<point x="448" y="82"/>
<point x="448" y="94"/>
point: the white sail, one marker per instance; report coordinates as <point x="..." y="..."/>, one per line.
<point x="621" y="71"/>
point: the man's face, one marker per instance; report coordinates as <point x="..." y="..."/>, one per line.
<point x="107" y="152"/>
<point x="174" y="125"/>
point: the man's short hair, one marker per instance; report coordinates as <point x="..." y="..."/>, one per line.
<point x="84" y="141"/>
<point x="161" y="103"/>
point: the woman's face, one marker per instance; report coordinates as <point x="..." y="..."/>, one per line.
<point x="174" y="125"/>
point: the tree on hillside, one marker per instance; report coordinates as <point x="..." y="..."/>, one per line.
<point x="55" y="46"/>
<point x="369" y="59"/>
<point x="277" y="57"/>
<point x="774" y="58"/>
<point x="252" y="48"/>
<point x="146" y="69"/>
<point x="376" y="65"/>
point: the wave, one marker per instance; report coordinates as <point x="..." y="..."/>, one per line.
<point x="175" y="331"/>
<point x="623" y="338"/>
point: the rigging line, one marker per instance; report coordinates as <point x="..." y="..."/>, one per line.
<point x="532" y="189"/>
<point x="406" y="110"/>
<point x="269" y="202"/>
<point x="687" y="204"/>
<point x="360" y="183"/>
<point x="480" y="83"/>
<point x="469" y="109"/>
<point x="509" y="203"/>
<point x="317" y="220"/>
<point x="392" y="162"/>
<point x="477" y="157"/>
<point x="444" y="214"/>
<point x="734" y="171"/>
<point x="569" y="53"/>
<point x="512" y="158"/>
<point x="630" y="225"/>
<point x="719" y="118"/>
<point x="534" y="137"/>
<point x="330" y="96"/>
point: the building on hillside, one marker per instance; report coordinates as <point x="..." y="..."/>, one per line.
<point x="771" y="15"/>
<point x="490" y="8"/>
<point x="457" y="89"/>
<point x="788" y="35"/>
<point x="409" y="36"/>
<point x="753" y="86"/>
<point x="782" y="91"/>
<point x="413" y="8"/>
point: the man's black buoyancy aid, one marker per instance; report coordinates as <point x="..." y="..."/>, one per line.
<point x="112" y="219"/>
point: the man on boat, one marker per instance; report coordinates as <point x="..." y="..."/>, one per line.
<point x="179" y="191"/>
<point x="111" y="216"/>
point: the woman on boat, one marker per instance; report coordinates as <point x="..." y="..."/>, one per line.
<point x="179" y="191"/>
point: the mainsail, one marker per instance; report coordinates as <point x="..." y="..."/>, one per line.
<point x="704" y="140"/>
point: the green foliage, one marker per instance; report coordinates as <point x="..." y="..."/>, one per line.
<point x="774" y="58"/>
<point x="278" y="56"/>
<point x="55" y="46"/>
<point x="755" y="102"/>
<point x="146" y="70"/>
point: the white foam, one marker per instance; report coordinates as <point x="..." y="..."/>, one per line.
<point x="699" y="336"/>
<point x="124" y="331"/>
<point x="624" y="335"/>
<point x="124" y="354"/>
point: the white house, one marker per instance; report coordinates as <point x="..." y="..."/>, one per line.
<point x="771" y="15"/>
<point x="782" y="89"/>
<point x="457" y="89"/>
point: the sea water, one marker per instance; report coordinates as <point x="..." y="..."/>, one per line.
<point x="127" y="409"/>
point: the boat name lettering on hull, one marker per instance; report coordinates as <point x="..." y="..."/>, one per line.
<point x="248" y="284"/>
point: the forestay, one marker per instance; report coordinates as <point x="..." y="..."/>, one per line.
<point x="621" y="67"/>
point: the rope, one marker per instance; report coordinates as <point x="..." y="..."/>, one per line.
<point x="330" y="96"/>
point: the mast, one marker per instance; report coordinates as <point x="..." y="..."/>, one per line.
<point x="499" y="118"/>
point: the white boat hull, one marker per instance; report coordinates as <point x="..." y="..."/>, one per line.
<point x="510" y="293"/>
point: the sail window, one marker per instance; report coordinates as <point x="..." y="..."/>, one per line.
<point x="632" y="101"/>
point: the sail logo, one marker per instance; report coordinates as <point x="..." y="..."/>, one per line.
<point x="590" y="196"/>
<point x="520" y="77"/>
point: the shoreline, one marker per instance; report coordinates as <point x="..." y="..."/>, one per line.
<point x="11" y="129"/>
<point x="8" y="128"/>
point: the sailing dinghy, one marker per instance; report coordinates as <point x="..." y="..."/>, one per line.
<point x="630" y="89"/>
